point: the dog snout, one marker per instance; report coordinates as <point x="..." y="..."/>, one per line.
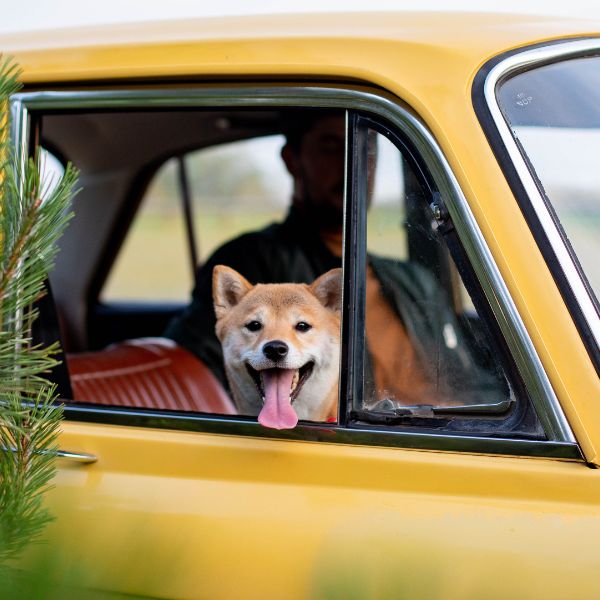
<point x="275" y="350"/>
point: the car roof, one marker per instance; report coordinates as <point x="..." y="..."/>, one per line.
<point x="353" y="45"/>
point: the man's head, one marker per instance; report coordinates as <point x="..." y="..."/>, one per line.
<point x="314" y="156"/>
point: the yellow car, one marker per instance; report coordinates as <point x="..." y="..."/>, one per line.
<point x="463" y="459"/>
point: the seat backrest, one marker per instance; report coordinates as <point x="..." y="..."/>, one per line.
<point x="152" y="373"/>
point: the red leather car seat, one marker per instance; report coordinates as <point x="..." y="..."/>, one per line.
<point x="147" y="373"/>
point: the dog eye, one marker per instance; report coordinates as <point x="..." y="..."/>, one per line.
<point x="303" y="326"/>
<point x="253" y="326"/>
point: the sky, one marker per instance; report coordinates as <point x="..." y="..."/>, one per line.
<point x="51" y="14"/>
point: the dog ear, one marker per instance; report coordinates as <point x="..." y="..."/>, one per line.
<point x="229" y="287"/>
<point x="328" y="289"/>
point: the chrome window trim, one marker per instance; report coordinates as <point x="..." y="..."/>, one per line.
<point x="528" y="363"/>
<point x="83" y="458"/>
<point x="515" y="64"/>
<point x="325" y="433"/>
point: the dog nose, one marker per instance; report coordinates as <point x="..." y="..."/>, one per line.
<point x="275" y="350"/>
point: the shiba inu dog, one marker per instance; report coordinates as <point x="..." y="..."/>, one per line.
<point x="281" y="346"/>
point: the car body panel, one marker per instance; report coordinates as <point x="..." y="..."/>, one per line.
<point x="296" y="519"/>
<point x="183" y="515"/>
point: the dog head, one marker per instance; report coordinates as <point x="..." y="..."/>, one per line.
<point x="280" y="345"/>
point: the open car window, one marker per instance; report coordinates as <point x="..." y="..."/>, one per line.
<point x="420" y="350"/>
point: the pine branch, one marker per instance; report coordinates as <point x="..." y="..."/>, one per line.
<point x="32" y="218"/>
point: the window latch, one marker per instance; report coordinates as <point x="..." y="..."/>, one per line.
<point x="440" y="213"/>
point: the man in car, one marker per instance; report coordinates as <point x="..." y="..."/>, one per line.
<point x="408" y="318"/>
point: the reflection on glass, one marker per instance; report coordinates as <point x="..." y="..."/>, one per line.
<point x="425" y="346"/>
<point x="554" y="111"/>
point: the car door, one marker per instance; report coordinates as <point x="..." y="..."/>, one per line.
<point x="480" y="492"/>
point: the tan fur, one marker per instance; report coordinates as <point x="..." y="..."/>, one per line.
<point x="279" y="307"/>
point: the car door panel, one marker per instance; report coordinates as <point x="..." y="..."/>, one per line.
<point x="193" y="515"/>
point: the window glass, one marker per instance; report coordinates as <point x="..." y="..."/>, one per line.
<point x="554" y="112"/>
<point x="386" y="223"/>
<point x="153" y="262"/>
<point x="428" y="352"/>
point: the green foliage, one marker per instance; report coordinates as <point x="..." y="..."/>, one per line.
<point x="33" y="215"/>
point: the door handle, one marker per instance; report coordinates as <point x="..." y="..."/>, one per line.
<point x="80" y="457"/>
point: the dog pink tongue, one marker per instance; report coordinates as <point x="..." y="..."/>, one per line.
<point x="277" y="412"/>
